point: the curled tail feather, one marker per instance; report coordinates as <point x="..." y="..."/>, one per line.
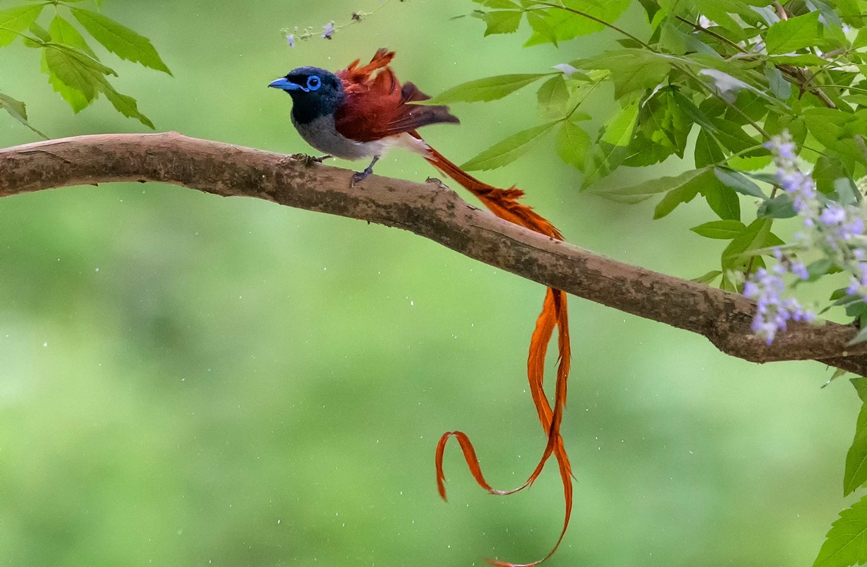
<point x="504" y="204"/>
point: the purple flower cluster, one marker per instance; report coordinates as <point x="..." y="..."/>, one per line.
<point x="835" y="229"/>
<point x="774" y="312"/>
<point x="798" y="185"/>
<point x="307" y="33"/>
<point x="840" y="228"/>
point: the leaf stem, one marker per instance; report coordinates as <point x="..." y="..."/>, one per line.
<point x="580" y="102"/>
<point x="597" y="20"/>
<point x="33" y="39"/>
<point x="712" y="33"/>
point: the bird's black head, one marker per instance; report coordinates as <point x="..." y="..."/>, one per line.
<point x="315" y="92"/>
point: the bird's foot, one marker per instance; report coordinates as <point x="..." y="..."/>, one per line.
<point x="310" y="160"/>
<point x="360" y="176"/>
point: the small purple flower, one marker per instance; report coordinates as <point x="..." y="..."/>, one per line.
<point x="833" y="214"/>
<point x="785" y="150"/>
<point x="328" y="30"/>
<point x="290" y="39"/>
<point x="858" y="282"/>
<point x="773" y="312"/>
<point x="800" y="270"/>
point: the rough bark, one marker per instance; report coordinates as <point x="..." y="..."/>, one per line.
<point x="431" y="210"/>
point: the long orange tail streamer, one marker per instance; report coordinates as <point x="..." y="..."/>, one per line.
<point x="504" y="203"/>
<point x="377" y="107"/>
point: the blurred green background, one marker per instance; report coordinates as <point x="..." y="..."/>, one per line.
<point x="189" y="380"/>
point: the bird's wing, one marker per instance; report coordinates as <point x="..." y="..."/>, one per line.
<point x="376" y="105"/>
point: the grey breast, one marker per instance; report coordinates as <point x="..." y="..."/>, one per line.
<point x="322" y="135"/>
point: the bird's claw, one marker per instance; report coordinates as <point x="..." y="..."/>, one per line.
<point x="358" y="177"/>
<point x="310" y="160"/>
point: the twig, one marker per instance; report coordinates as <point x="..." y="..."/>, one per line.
<point x="713" y="34"/>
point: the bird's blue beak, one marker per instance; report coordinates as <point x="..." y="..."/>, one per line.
<point x="284" y="84"/>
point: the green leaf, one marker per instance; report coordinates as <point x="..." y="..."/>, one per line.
<point x="78" y="78"/>
<point x="827" y="171"/>
<point x="845" y="191"/>
<point x="553" y="95"/>
<point x="738" y="182"/>
<point x="718" y="11"/>
<point x="781" y="88"/>
<point x="618" y="130"/>
<point x="780" y="207"/>
<point x="665" y="125"/>
<point x="18" y="110"/>
<point x="721" y="229"/>
<point x="789" y="35"/>
<point x="14" y="107"/>
<point x="120" y="40"/>
<point x="707" y="150"/>
<point x="611" y="148"/>
<point x="502" y="21"/>
<point x="754" y="237"/>
<point x="819" y="268"/>
<point x="124" y="104"/>
<point x="74" y="98"/>
<point x="508" y="150"/>
<point x="631" y="69"/>
<point x="858" y="99"/>
<point x="650" y="7"/>
<point x="17" y="19"/>
<point x="856" y="459"/>
<point x="563" y="25"/>
<point x="733" y="138"/>
<point x="846" y="542"/>
<point x="40" y="32"/>
<point x="64" y="32"/>
<point x="708" y="277"/>
<point x="484" y="90"/>
<point x="71" y="71"/>
<point x="572" y="144"/>
<point x="499" y="4"/>
<point x="673" y="198"/>
<point x="722" y="200"/>
<point x="642" y="191"/>
<point x="727" y="285"/>
<point x="837" y="131"/>
<point x="543" y="30"/>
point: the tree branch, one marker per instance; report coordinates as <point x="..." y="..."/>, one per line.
<point x="430" y="210"/>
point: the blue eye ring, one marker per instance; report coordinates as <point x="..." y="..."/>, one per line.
<point x="313" y="83"/>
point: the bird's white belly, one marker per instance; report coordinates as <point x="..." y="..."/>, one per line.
<point x="322" y="135"/>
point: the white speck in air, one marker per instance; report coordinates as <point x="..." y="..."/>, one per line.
<point x="44" y="344"/>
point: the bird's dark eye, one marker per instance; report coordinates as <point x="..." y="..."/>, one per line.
<point x="313" y="83"/>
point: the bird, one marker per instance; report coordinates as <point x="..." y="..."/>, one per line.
<point x="363" y="111"/>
